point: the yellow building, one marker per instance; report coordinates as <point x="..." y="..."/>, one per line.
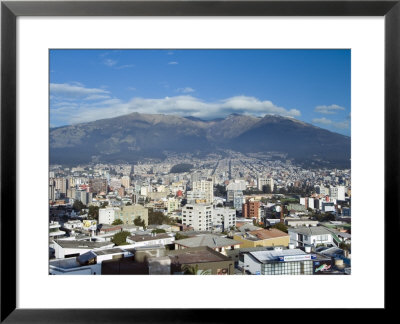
<point x="128" y="214"/>
<point x="262" y="237"/>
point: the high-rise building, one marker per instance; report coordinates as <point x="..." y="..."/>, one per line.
<point x="261" y="182"/>
<point x="251" y="209"/>
<point x="207" y="186"/>
<point x="61" y="184"/>
<point x="337" y="193"/>
<point x="108" y="215"/>
<point x="126" y="181"/>
<point x="198" y="216"/>
<point x="224" y="217"/>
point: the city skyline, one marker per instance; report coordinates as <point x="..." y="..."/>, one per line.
<point x="310" y="85"/>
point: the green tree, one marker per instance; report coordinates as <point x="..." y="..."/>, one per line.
<point x="93" y="212"/>
<point x="179" y="236"/>
<point x="281" y="227"/>
<point x="158" y="231"/>
<point x="118" y="221"/>
<point x="104" y="204"/>
<point x="120" y="238"/>
<point x="139" y="222"/>
<point x="194" y="270"/>
<point x="266" y="189"/>
<point x="78" y="205"/>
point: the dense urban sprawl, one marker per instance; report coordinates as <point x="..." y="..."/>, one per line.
<point x="228" y="214"/>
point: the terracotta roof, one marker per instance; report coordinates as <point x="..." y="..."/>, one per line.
<point x="266" y="234"/>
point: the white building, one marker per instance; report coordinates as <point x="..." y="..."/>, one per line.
<point x="261" y="182"/>
<point x="207" y="186"/>
<point x="108" y="215"/>
<point x="313" y="235"/>
<point x="224" y="218"/>
<point x="337" y="193"/>
<point x="54" y="230"/>
<point x="198" y="216"/>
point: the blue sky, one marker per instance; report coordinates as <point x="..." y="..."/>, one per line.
<point x="309" y="85"/>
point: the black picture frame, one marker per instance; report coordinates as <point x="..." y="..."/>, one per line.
<point x="10" y="10"/>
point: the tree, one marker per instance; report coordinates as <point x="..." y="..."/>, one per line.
<point x="281" y="227"/>
<point x="158" y="231"/>
<point x="120" y="238"/>
<point x="104" y="204"/>
<point x="179" y="236"/>
<point x="139" y="222"/>
<point x="118" y="221"/>
<point x="78" y="205"/>
<point x="219" y="190"/>
<point x="266" y="189"/>
<point x="193" y="270"/>
<point x="93" y="212"/>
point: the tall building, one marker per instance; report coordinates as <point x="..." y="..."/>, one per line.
<point x="61" y="184"/>
<point x="207" y="186"/>
<point x="198" y="216"/>
<point x="108" y="215"/>
<point x="126" y="181"/>
<point x="224" y="217"/>
<point x="337" y="193"/>
<point x="261" y="182"/>
<point x="251" y="209"/>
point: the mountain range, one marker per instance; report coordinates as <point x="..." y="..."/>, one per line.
<point x="132" y="137"/>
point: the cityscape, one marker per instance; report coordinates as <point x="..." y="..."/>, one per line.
<point x="194" y="184"/>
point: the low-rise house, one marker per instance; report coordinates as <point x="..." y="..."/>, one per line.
<point x="86" y="263"/>
<point x="215" y="242"/>
<point x="152" y="239"/>
<point x="313" y="235"/>
<point x="262" y="237"/>
<point x="72" y="248"/>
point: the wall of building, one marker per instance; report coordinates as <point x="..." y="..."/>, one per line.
<point x="284" y="240"/>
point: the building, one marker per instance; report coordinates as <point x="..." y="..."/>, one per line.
<point x="70" y="248"/>
<point x="262" y="237"/>
<point x="98" y="185"/>
<point x="198" y="216"/>
<point x="207" y="186"/>
<point x="150" y="240"/>
<point x="328" y="207"/>
<point x="313" y="235"/>
<point x="337" y="193"/>
<point x="269" y="182"/>
<point x="86" y="263"/>
<point x="217" y="243"/>
<point x="283" y="262"/>
<point x="224" y="218"/>
<point x="54" y="230"/>
<point x="126" y="181"/>
<point x="251" y="209"/>
<point x="128" y="214"/>
<point x="108" y="215"/>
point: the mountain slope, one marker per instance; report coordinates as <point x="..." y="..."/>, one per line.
<point x="135" y="136"/>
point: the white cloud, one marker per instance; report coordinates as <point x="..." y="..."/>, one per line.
<point x="172" y="63"/>
<point x="74" y="91"/>
<point x="126" y="66"/>
<point x="110" y="62"/>
<point x="332" y="109"/>
<point x="327" y="122"/>
<point x="185" y="90"/>
<point x="184" y="105"/>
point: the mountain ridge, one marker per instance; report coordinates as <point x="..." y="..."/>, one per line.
<point x="135" y="136"/>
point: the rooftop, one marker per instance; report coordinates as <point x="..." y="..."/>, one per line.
<point x="312" y="230"/>
<point x="195" y="255"/>
<point x="70" y="244"/>
<point x="210" y="240"/>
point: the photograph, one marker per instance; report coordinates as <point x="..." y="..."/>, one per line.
<point x="199" y="161"/>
